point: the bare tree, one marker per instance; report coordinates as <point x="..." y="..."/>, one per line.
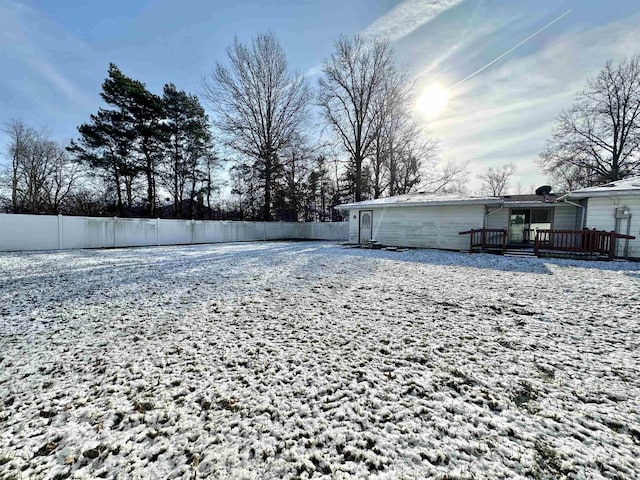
<point x="259" y="104"/>
<point x="354" y="78"/>
<point x="20" y="137"/>
<point x="496" y="180"/>
<point x="401" y="151"/>
<point x="389" y="119"/>
<point x="41" y="176"/>
<point x="410" y="159"/>
<point x="597" y="140"/>
<point x="450" y="178"/>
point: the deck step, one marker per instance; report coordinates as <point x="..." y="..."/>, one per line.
<point x="519" y="253"/>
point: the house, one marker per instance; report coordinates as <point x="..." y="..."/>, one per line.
<point x="613" y="207"/>
<point x="543" y="223"/>
<point x="435" y="221"/>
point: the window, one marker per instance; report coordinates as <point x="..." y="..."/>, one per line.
<point x="542" y="215"/>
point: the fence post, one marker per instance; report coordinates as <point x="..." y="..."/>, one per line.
<point x="60" y="233"/>
<point x="157" y="231"/>
<point x="193" y="231"/>
<point x="115" y="229"/>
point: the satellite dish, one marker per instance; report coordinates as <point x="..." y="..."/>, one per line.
<point x="543" y="191"/>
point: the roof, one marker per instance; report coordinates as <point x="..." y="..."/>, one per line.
<point x="436" y="199"/>
<point x="628" y="186"/>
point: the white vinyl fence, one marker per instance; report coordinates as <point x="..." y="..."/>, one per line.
<point x="51" y="232"/>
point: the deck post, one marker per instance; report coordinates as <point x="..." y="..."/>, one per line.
<point x="504" y="241"/>
<point x="536" y="244"/>
<point x="471" y="241"/>
<point x="612" y="244"/>
<point x="483" y="239"/>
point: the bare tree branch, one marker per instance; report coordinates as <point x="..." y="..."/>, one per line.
<point x="496" y="180"/>
<point x="597" y="140"/>
<point x="260" y="105"/>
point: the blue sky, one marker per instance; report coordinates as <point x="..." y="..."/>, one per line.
<point x="54" y="56"/>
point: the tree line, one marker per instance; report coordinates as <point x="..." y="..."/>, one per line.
<point x="139" y="148"/>
<point x="146" y="154"/>
<point x="158" y="155"/>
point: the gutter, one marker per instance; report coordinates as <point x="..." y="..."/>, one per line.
<point x="601" y="193"/>
<point x="443" y="203"/>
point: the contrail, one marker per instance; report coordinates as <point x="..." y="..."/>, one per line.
<point x="511" y="49"/>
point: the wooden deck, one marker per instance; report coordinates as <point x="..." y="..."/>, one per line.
<point x="592" y="242"/>
<point x="588" y="243"/>
<point x="487" y="239"/>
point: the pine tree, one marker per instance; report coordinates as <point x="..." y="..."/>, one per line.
<point x="190" y="161"/>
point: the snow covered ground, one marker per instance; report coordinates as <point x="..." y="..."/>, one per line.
<point x="309" y="360"/>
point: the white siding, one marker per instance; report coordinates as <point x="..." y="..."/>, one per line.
<point x="498" y="218"/>
<point x="428" y="227"/>
<point x="566" y="217"/>
<point x="601" y="215"/>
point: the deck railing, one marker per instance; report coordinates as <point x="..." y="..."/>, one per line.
<point x="592" y="242"/>
<point x="487" y="239"/>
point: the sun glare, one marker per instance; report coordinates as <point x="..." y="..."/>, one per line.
<point x="433" y="101"/>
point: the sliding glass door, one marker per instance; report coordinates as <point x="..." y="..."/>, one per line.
<point x="518" y="223"/>
<point x="524" y="222"/>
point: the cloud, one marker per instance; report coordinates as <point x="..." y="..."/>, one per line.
<point x="399" y="22"/>
<point x="470" y="37"/>
<point x="506" y="113"/>
<point x="30" y="42"/>
<point x="407" y="17"/>
<point x="313" y="71"/>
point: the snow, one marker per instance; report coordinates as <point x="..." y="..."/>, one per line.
<point x="422" y="199"/>
<point x="628" y="186"/>
<point x="310" y="360"/>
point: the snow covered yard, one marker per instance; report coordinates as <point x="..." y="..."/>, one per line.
<point x="308" y="360"/>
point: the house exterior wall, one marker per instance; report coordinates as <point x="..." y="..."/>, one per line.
<point x="426" y="227"/>
<point x="564" y="217"/>
<point x="497" y="218"/>
<point x="601" y="215"/>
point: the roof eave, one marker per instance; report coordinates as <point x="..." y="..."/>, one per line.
<point x="435" y="203"/>
<point x="602" y="193"/>
<point x="531" y="203"/>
